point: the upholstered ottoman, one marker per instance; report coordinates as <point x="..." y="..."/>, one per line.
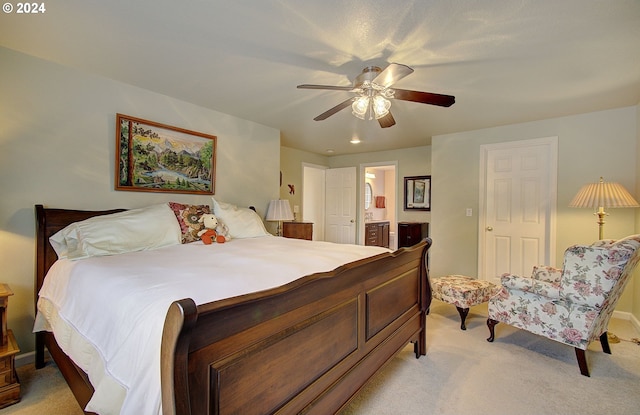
<point x="463" y="292"/>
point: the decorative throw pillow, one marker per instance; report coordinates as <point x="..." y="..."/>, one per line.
<point x="242" y="222"/>
<point x="188" y="216"/>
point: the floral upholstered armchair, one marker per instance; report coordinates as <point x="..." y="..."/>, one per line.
<point x="572" y="305"/>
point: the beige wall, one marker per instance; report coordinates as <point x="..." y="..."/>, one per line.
<point x="291" y="161"/>
<point x="57" y="148"/>
<point x="589" y="146"/>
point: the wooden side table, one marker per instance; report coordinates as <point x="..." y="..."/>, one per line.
<point x="9" y="385"/>
<point x="297" y="230"/>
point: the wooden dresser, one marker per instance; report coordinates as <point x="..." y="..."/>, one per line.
<point x="9" y="385"/>
<point x="376" y="234"/>
<point x="298" y="230"/>
<point x="410" y="233"/>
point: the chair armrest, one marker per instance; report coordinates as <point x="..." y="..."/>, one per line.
<point x="543" y="288"/>
<point x="547" y="273"/>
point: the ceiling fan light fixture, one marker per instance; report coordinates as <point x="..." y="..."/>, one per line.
<point x="373" y="89"/>
<point x="365" y="107"/>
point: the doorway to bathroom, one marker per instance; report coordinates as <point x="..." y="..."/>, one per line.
<point x="378" y="198"/>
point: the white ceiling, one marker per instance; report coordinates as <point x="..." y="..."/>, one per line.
<point x="505" y="61"/>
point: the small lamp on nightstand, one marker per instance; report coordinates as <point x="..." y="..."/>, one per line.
<point x="279" y="210"/>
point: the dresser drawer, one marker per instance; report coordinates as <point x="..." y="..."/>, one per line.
<point x="5" y="364"/>
<point x="7" y="378"/>
<point x="298" y="230"/>
<point x="9" y="394"/>
<point x="7" y="360"/>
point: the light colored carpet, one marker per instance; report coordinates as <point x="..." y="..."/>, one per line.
<point x="520" y="373"/>
<point x="43" y="392"/>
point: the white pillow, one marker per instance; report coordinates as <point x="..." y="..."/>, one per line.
<point x="132" y="230"/>
<point x="242" y="222"/>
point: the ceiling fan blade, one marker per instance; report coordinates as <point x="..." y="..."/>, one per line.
<point x="392" y="74"/>
<point x="387" y="121"/>
<point x="330" y="112"/>
<point x="332" y="87"/>
<point x="424" y="97"/>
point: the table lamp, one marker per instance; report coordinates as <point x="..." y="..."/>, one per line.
<point x="278" y="211"/>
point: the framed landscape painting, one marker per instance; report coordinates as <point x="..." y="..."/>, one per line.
<point x="153" y="157"/>
<point x="417" y="193"/>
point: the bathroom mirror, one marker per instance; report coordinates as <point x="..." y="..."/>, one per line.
<point x="368" y="192"/>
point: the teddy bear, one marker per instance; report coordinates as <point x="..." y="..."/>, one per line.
<point x="214" y="230"/>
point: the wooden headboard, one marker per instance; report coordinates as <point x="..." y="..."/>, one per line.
<point x="48" y="222"/>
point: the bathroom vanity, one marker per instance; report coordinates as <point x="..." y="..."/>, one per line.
<point x="376" y="233"/>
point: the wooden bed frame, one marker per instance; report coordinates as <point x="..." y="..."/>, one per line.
<point x="306" y="347"/>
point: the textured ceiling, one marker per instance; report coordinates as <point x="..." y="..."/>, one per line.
<point x="506" y="61"/>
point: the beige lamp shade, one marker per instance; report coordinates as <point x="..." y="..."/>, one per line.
<point x="278" y="211"/>
<point x="603" y="195"/>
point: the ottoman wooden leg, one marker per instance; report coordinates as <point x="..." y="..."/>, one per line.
<point x="463" y="316"/>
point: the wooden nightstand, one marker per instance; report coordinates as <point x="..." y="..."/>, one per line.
<point x="298" y="230"/>
<point x="9" y="385"/>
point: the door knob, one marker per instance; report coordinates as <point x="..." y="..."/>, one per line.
<point x="351" y="221"/>
<point x="489" y="228"/>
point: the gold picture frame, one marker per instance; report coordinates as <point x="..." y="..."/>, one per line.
<point x="155" y="157"/>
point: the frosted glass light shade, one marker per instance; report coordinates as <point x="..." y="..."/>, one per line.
<point x="376" y="106"/>
<point x="380" y="106"/>
<point x="360" y="107"/>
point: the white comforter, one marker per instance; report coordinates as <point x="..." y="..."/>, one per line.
<point x="107" y="313"/>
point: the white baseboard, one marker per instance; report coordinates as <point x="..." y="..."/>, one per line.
<point x="635" y="322"/>
<point x="624" y="315"/>
<point x="29" y="358"/>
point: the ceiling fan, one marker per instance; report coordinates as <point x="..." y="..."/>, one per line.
<point x="373" y="89"/>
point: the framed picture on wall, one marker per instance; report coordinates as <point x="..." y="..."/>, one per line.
<point x="154" y="157"/>
<point x="417" y="193"/>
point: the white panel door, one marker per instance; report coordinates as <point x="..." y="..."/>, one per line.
<point x="340" y="220"/>
<point x="518" y="209"/>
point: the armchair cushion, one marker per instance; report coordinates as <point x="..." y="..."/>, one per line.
<point x="531" y="285"/>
